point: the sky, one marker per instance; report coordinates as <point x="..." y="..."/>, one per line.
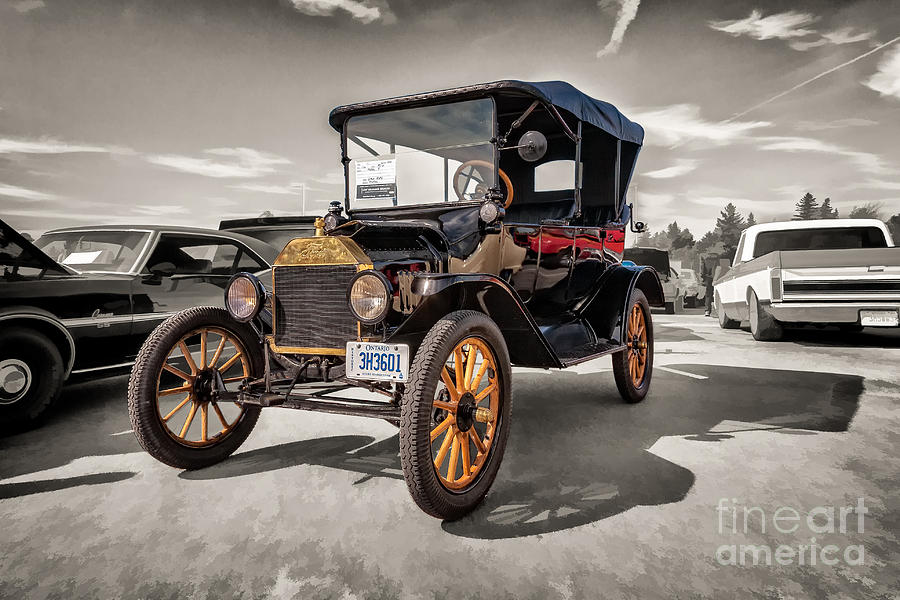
<point x="187" y="112"/>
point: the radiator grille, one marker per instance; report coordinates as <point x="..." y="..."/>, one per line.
<point x="311" y="306"/>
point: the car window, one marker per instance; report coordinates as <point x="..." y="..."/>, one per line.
<point x="103" y="251"/>
<point x="554" y="175"/>
<point x="740" y="249"/>
<point x="830" y="238"/>
<point x="200" y="255"/>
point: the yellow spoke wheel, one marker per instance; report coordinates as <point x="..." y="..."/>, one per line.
<point x="176" y="413"/>
<point x="467" y="409"/>
<point x="633" y="366"/>
<point x="197" y="364"/>
<point x="454" y="415"/>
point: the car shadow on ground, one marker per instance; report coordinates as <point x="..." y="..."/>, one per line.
<point x="870" y="337"/>
<point x="89" y="419"/>
<point x="577" y="454"/>
<point x="581" y="455"/>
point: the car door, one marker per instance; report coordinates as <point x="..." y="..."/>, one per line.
<point x="186" y="270"/>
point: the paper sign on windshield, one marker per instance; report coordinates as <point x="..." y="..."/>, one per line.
<point x="81" y="258"/>
<point x="376" y="179"/>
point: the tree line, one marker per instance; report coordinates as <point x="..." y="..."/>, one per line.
<point x="722" y="240"/>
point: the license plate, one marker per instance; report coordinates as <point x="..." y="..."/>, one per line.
<point x="384" y="362"/>
<point x="879" y="318"/>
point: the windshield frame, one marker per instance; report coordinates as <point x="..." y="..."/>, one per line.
<point x="345" y="159"/>
<point x="140" y="258"/>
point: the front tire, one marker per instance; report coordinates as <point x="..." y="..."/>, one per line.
<point x="633" y="367"/>
<point x="184" y="359"/>
<point x="31" y="376"/>
<point x="455" y="414"/>
<point x="763" y="326"/>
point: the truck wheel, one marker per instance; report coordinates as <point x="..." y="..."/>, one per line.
<point x="670" y="308"/>
<point x="763" y="326"/>
<point x="633" y="367"/>
<point x="455" y="414"/>
<point x="724" y="321"/>
<point x="31" y="376"/>
<point x="174" y="415"/>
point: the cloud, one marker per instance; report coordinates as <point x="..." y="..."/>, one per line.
<point x="156" y="210"/>
<point x="26" y="6"/>
<point x="886" y="80"/>
<point x="719" y="202"/>
<point x="245" y="163"/>
<point x="783" y="26"/>
<point x="837" y="124"/>
<point x="362" y="11"/>
<point x="47" y="146"/>
<point x="683" y="166"/>
<point x="845" y="35"/>
<point x="802" y="46"/>
<point x="877" y="184"/>
<point x="293" y="189"/>
<point x="627" y="12"/>
<point x="680" y="123"/>
<point x="865" y="161"/>
<point x="13" y="191"/>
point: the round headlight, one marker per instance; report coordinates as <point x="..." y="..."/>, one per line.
<point x="244" y="297"/>
<point x="369" y="297"/>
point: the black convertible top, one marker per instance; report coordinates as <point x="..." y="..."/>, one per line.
<point x="602" y="115"/>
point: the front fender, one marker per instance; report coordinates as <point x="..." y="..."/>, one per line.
<point x="431" y="296"/>
<point x="606" y="309"/>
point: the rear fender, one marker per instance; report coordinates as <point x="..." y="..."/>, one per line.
<point x="606" y="309"/>
<point x="431" y="296"/>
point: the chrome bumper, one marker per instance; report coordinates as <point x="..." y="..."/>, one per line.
<point x="825" y="312"/>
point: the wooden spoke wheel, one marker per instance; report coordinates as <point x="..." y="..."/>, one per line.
<point x="172" y="394"/>
<point x="455" y="414"/>
<point x="202" y="361"/>
<point x="467" y="407"/>
<point x="633" y="366"/>
<point x="636" y="339"/>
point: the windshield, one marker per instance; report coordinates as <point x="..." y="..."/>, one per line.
<point x="102" y="251"/>
<point x="832" y="238"/>
<point x="425" y="155"/>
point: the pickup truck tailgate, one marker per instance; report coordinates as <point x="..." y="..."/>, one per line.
<point x="857" y="274"/>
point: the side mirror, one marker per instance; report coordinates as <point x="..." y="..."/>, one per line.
<point x="163" y="269"/>
<point x="532" y="146"/>
<point x="636" y="226"/>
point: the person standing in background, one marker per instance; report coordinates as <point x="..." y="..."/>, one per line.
<point x="708" y="264"/>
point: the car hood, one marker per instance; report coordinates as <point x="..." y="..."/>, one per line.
<point x="17" y="251"/>
<point x="653" y="257"/>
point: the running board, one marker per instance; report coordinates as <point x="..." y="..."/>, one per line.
<point x="589" y="352"/>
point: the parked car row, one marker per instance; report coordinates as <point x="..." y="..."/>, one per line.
<point x="81" y="301"/>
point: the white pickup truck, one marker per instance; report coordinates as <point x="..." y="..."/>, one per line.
<point x="843" y="272"/>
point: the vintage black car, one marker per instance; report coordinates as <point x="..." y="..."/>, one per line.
<point x="484" y="228"/>
<point x="80" y="301"/>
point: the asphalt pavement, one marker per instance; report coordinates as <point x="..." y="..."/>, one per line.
<point x="739" y="476"/>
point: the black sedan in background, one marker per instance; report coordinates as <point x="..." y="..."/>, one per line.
<point x="82" y="300"/>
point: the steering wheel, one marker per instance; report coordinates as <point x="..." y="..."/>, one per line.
<point x="470" y="171"/>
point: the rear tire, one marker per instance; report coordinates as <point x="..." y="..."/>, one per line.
<point x="724" y="321"/>
<point x="151" y="428"/>
<point x="633" y="367"/>
<point x="763" y="326"/>
<point x="670" y="308"/>
<point x="433" y="412"/>
<point x="31" y="377"/>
